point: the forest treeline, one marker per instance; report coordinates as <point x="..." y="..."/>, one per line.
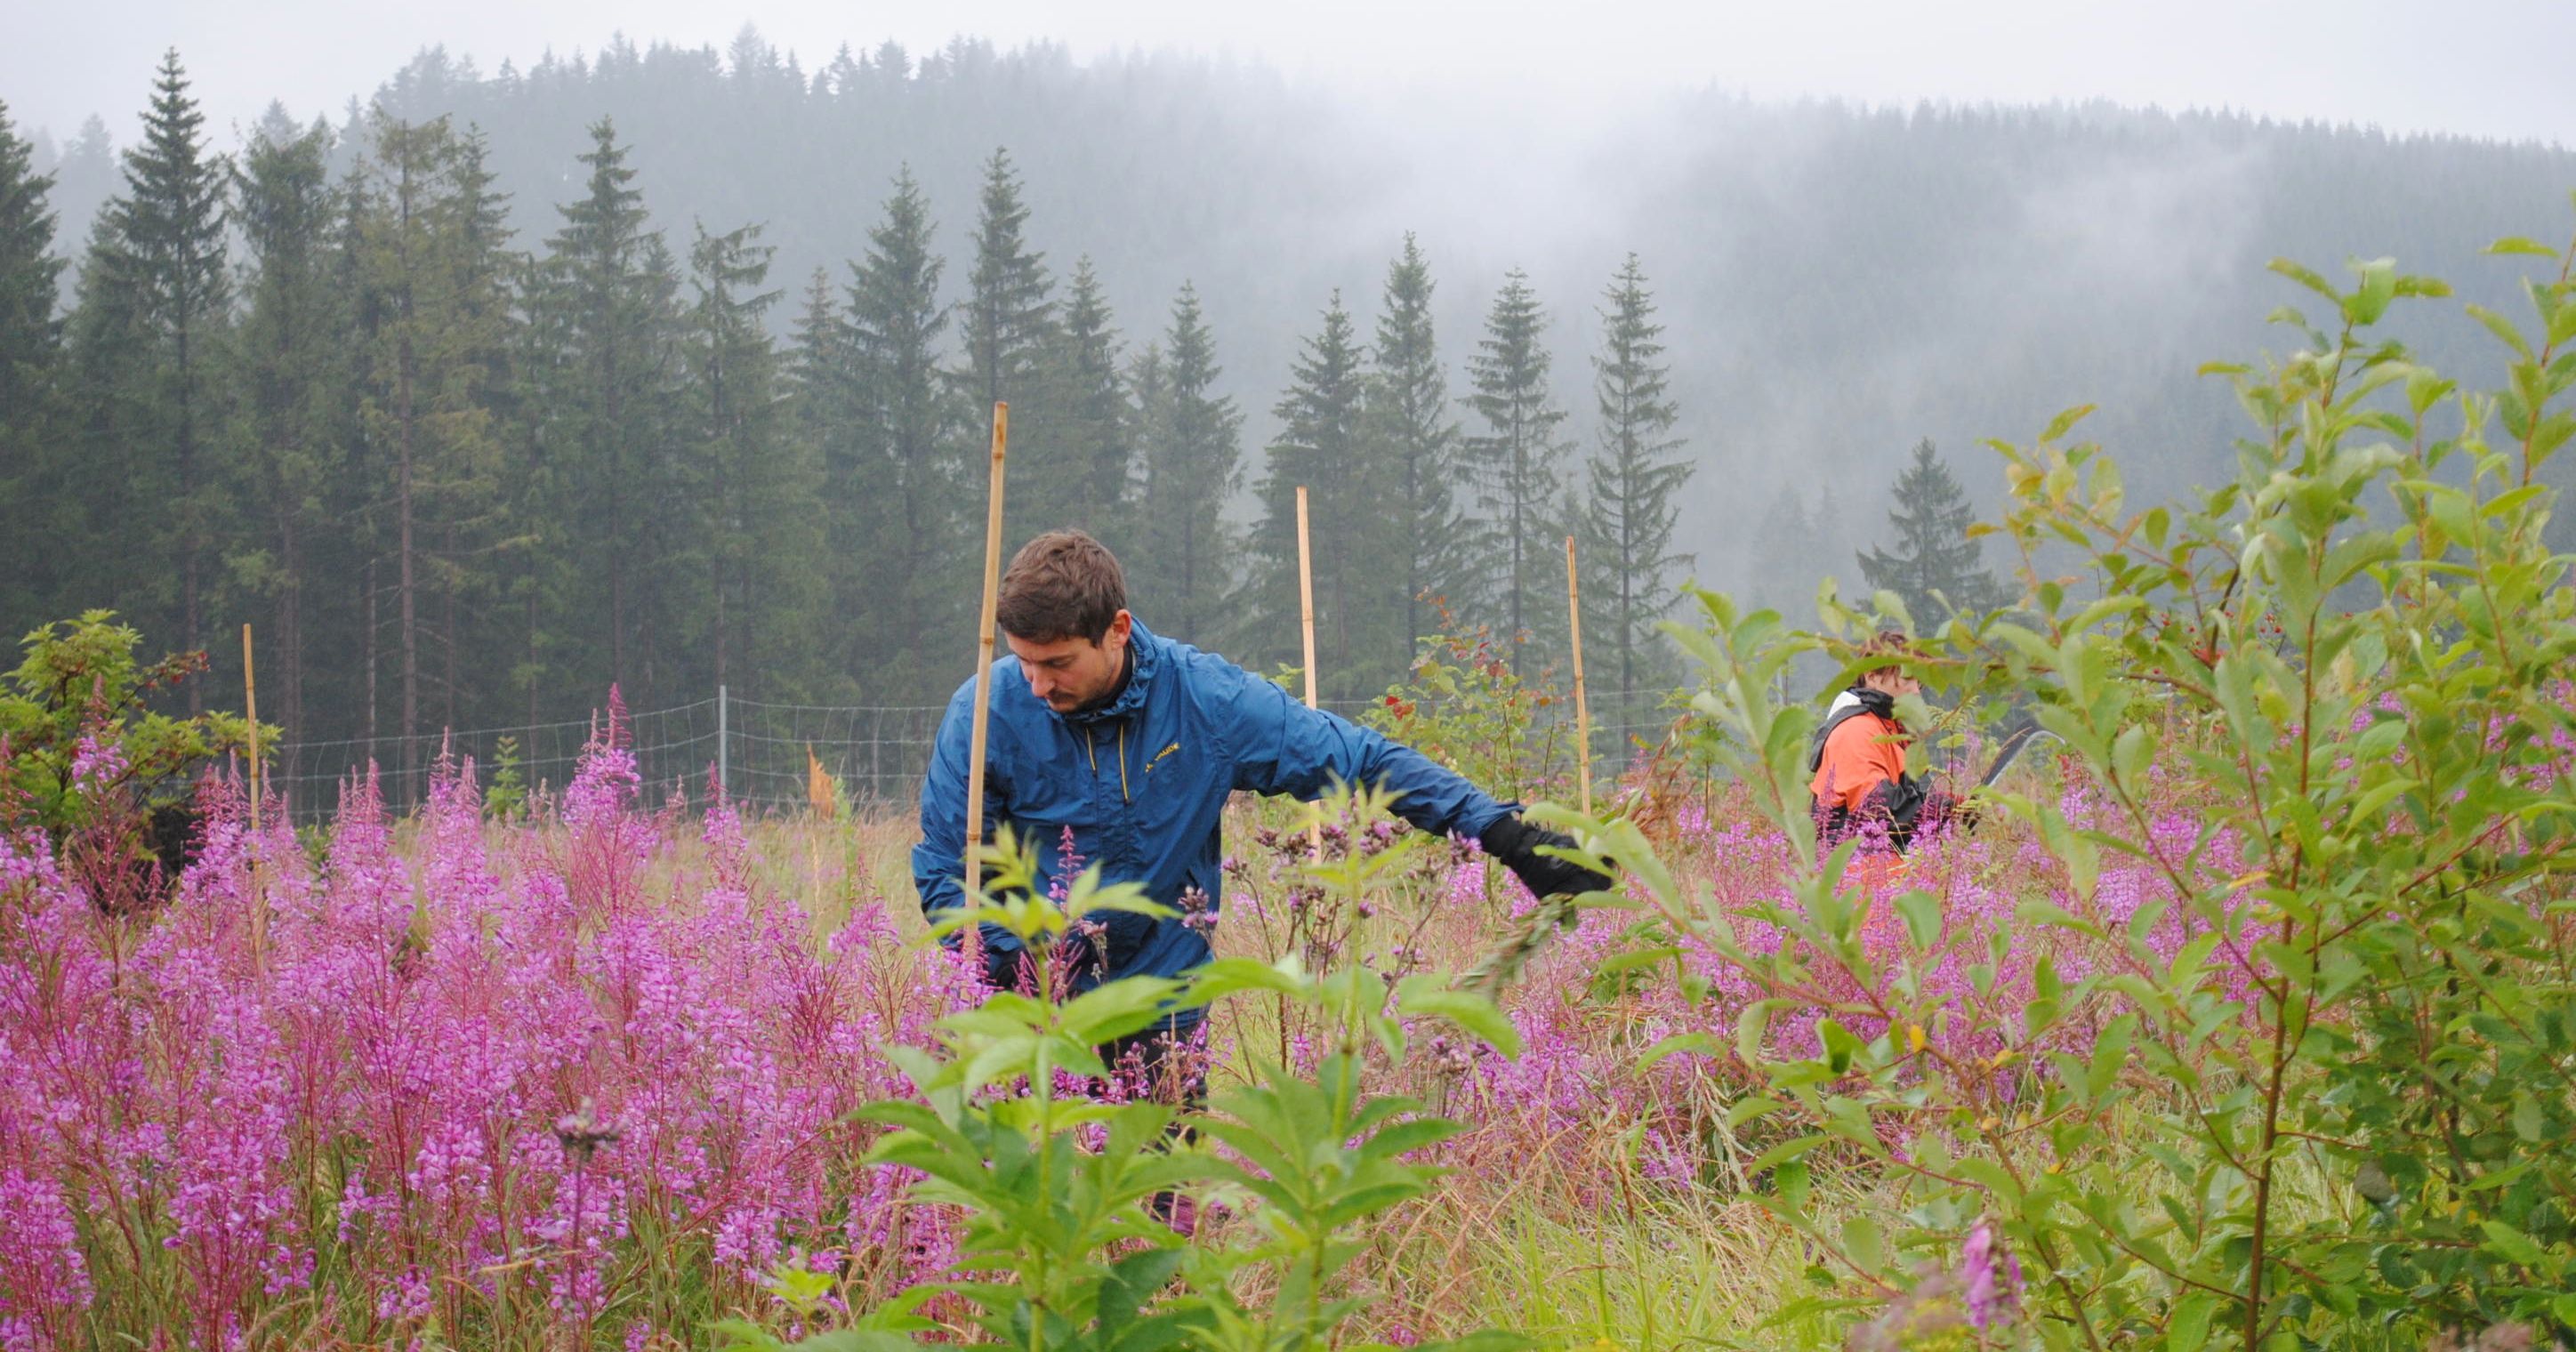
<point x="667" y="366"/>
<point x="462" y="478"/>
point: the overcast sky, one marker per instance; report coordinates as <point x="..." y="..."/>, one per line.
<point x="2484" y="67"/>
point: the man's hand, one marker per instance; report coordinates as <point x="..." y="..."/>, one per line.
<point x="1516" y="843"/>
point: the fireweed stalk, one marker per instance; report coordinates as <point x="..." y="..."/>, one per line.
<point x="361" y="1133"/>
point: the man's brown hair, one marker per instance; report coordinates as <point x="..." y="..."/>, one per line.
<point x="1061" y="585"/>
<point x="1886" y="643"/>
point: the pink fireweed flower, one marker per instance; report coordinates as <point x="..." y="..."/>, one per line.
<point x="1991" y="1278"/>
<point x="44" y="1278"/>
<point x="96" y="765"/>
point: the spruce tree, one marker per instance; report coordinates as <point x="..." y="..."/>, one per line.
<point x="1085" y="479"/>
<point x="1414" y="443"/>
<point x="158" y="278"/>
<point x="433" y="315"/>
<point x="30" y="334"/>
<point x="1008" y="314"/>
<point x="602" y="280"/>
<point x="1625" y="527"/>
<point x="1193" y="457"/>
<point x="538" y="475"/>
<point x="485" y="519"/>
<point x="814" y="336"/>
<point x="294" y="372"/>
<point x="764" y="540"/>
<point x="816" y="390"/>
<point x="902" y="484"/>
<point x="30" y="352"/>
<point x="1515" y="460"/>
<point x="1933" y="566"/>
<point x="1319" y="446"/>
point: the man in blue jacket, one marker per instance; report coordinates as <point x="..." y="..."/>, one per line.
<point x="1134" y="742"/>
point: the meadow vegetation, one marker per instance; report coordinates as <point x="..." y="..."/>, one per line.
<point x="2241" y="1017"/>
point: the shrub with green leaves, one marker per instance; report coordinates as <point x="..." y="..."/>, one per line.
<point x="2320" y="1091"/>
<point x="80" y="694"/>
<point x="89" y="765"/>
<point x="1060" y="1251"/>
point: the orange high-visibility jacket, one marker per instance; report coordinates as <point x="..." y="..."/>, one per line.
<point x="1862" y="751"/>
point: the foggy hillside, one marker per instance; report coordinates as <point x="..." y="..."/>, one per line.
<point x="1838" y="282"/>
<point x="481" y="417"/>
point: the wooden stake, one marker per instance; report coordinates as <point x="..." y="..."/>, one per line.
<point x="258" y="894"/>
<point x="988" y="619"/>
<point x="250" y="703"/>
<point x="1582" y="705"/>
<point x="1306" y="622"/>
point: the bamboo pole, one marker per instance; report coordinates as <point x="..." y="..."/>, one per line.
<point x="250" y="704"/>
<point x="258" y="895"/>
<point x="1306" y="623"/>
<point x="1582" y="703"/>
<point x="972" y="945"/>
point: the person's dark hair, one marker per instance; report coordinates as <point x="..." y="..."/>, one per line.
<point x="1886" y="643"/>
<point x="1061" y="585"/>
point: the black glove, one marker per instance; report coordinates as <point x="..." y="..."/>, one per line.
<point x="1004" y="968"/>
<point x="1516" y="843"/>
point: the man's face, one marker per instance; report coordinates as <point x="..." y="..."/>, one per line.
<point x="1893" y="683"/>
<point x="1072" y="672"/>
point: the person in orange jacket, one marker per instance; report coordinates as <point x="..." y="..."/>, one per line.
<point x="1857" y="759"/>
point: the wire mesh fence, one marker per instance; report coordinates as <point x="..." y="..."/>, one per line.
<point x="763" y="752"/>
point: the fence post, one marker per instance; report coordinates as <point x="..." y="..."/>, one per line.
<point x="724" y="777"/>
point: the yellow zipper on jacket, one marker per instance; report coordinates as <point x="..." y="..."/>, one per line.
<point x="1091" y="745"/>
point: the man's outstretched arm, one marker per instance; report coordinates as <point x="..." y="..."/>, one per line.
<point x="1280" y="746"/>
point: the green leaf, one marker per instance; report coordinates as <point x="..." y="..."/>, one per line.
<point x="740" y="1335"/>
<point x="854" y="1340"/>
<point x="1921" y="912"/>
<point x="2516" y="244"/>
<point x="1114" y="1010"/>
<point x="2065" y="422"/>
<point x="1426" y="994"/>
<point x="2515" y="1245"/>
<point x="1791" y="1181"/>
<point x="2187" y="1328"/>
<point x="1704" y="1044"/>
<point x="1865" y="1243"/>
<point x="1132" y="1281"/>
<point x="1226" y="976"/>
<point x="1839" y="1042"/>
<point x="2502" y="328"/>
<point x="1747" y="1110"/>
<point x="2308" y="278"/>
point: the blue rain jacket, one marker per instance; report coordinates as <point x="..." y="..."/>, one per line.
<point x="1143" y="781"/>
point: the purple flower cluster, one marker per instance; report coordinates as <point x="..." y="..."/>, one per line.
<point x="484" y="1072"/>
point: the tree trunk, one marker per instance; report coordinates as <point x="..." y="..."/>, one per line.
<point x="449" y="716"/>
<point x="404" y="432"/>
<point x="371" y="656"/>
<point x="191" y="631"/>
<point x="290" y="627"/>
<point x="533" y="682"/>
<point x="617" y="561"/>
<point x="1519" y="492"/>
<point x="724" y="501"/>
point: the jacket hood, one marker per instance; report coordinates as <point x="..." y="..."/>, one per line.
<point x="1878" y="702"/>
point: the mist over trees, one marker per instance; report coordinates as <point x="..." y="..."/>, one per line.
<point x="669" y="367"/>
